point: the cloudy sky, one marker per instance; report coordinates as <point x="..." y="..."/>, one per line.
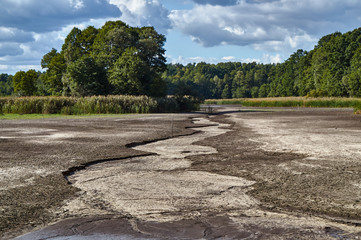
<point x="197" y="30"/>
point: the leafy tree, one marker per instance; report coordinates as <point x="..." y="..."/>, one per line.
<point x="85" y="78"/>
<point x="25" y="83"/>
<point x="55" y="64"/>
<point x="129" y="74"/>
<point x="130" y="60"/>
<point x="6" y="85"/>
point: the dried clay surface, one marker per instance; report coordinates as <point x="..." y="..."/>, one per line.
<point x="244" y="173"/>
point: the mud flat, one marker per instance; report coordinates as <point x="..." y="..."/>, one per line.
<point x="245" y="174"/>
<point x="34" y="153"/>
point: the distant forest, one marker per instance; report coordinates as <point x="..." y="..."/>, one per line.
<point x="118" y="59"/>
<point x="331" y="69"/>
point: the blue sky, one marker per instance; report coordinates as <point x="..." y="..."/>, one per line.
<point x="265" y="31"/>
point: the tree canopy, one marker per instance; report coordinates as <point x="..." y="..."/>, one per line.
<point x="332" y="68"/>
<point x="115" y="59"/>
<point x="119" y="59"/>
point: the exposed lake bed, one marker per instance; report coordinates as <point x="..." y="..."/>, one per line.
<point x="242" y="174"/>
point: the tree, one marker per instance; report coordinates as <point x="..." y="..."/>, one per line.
<point x="85" y="78"/>
<point x="129" y="74"/>
<point x="6" y="84"/>
<point x="25" y="83"/>
<point x="55" y="65"/>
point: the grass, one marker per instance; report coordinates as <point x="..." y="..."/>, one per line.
<point x="354" y="103"/>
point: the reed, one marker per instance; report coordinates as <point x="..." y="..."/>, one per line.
<point x="115" y="104"/>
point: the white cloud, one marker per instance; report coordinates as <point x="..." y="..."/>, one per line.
<point x="31" y="28"/>
<point x="198" y="59"/>
<point x="273" y="24"/>
<point x="229" y="58"/>
<point x="144" y="13"/>
<point x="217" y="2"/>
<point x="77" y="4"/>
<point x="44" y="16"/>
<point x="10" y="49"/>
<point x="272" y="58"/>
<point x="14" y="35"/>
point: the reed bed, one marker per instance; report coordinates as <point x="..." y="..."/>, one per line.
<point x="116" y="104"/>
<point x="354" y="103"/>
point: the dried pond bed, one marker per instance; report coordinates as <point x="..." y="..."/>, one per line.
<point x="291" y="191"/>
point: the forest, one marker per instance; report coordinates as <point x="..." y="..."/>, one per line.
<point x="331" y="69"/>
<point x="121" y="60"/>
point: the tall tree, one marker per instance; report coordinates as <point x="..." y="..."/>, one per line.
<point x="85" y="78"/>
<point x="25" y="83"/>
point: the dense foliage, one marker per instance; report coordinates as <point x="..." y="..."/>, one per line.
<point x="118" y="59"/>
<point x="6" y="85"/>
<point x="115" y="59"/>
<point x="332" y="68"/>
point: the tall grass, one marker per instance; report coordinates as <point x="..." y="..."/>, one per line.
<point x="294" y="102"/>
<point x="116" y="104"/>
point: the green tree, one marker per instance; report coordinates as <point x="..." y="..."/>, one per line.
<point x="55" y="65"/>
<point x="25" y="83"/>
<point x="85" y="78"/>
<point x="129" y="74"/>
<point x="6" y="84"/>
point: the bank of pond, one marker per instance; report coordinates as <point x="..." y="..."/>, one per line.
<point x="354" y="103"/>
<point x="123" y="104"/>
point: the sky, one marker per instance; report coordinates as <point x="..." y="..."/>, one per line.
<point x="212" y="31"/>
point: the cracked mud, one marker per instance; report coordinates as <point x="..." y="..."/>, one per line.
<point x="250" y="174"/>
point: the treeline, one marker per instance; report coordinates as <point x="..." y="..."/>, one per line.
<point x="120" y="60"/>
<point x="331" y="69"/>
<point x="6" y="84"/>
<point x="115" y="59"/>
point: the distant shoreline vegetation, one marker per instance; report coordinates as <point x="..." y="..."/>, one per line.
<point x="117" y="59"/>
<point x="354" y="103"/>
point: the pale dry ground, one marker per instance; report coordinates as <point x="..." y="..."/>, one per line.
<point x="160" y="188"/>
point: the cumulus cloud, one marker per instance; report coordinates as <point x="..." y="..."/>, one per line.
<point x="144" y="13"/>
<point x="14" y="35"/>
<point x="213" y="60"/>
<point x="229" y="58"/>
<point x="30" y="28"/>
<point x="10" y="49"/>
<point x="274" y="24"/>
<point x="45" y="16"/>
<point x="272" y="58"/>
<point x="217" y="2"/>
